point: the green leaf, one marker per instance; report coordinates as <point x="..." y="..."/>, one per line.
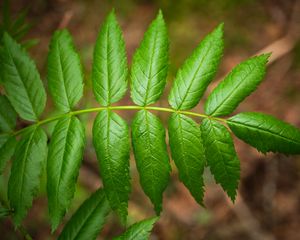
<point x="197" y="72"/>
<point x="152" y="160"/>
<point x="138" y="231"/>
<point x="21" y="80"/>
<point x="221" y="156"/>
<point x="27" y="167"/>
<point x="64" y="159"/>
<point x="236" y="86"/>
<point x="111" y="141"/>
<point x="7" y="148"/>
<point x="188" y="153"/>
<point x="88" y="220"/>
<point x="8" y="115"/>
<point x="265" y="132"/>
<point x="65" y="77"/>
<point x="150" y="64"/>
<point x="110" y="68"/>
<point x="4" y="212"/>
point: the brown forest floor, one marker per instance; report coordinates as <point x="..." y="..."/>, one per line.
<point x="268" y="205"/>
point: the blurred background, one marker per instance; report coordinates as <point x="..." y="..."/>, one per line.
<point x="268" y="203"/>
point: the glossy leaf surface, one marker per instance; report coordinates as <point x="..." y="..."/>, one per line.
<point x="65" y="77"/>
<point x="112" y="145"/>
<point x="150" y="64"/>
<point x="150" y="151"/>
<point x="265" y="132"/>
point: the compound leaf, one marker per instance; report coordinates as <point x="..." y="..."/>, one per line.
<point x="221" y="156"/>
<point x="65" y="77"/>
<point x="138" y="231"/>
<point x="28" y="161"/>
<point x="64" y="158"/>
<point x="188" y="153"/>
<point x="236" y="86"/>
<point x="150" y="150"/>
<point x="8" y="116"/>
<point x="150" y="64"/>
<point x="88" y="220"/>
<point x="21" y="80"/>
<point x="7" y="148"/>
<point x="265" y="132"/>
<point x="111" y="141"/>
<point x="110" y="68"/>
<point x="197" y="72"/>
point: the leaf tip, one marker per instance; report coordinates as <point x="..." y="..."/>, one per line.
<point x="220" y="29"/>
<point x="157" y="208"/>
<point x="159" y="16"/>
<point x="111" y="16"/>
<point x="160" y="13"/>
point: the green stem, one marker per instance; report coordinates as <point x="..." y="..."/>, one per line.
<point x="99" y="109"/>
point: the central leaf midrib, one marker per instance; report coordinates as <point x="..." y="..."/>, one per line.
<point x="63" y="76"/>
<point x="19" y="75"/>
<point x="62" y="162"/>
<point x="108" y="68"/>
<point x="220" y="153"/>
<point x="78" y="230"/>
<point x="29" y="143"/>
<point x="264" y="130"/>
<point x="109" y="157"/>
<point x="195" y="74"/>
<point x="181" y="144"/>
<point x="232" y="90"/>
<point x="148" y="139"/>
<point x="150" y="70"/>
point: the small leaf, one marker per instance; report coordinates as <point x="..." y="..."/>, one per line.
<point x="21" y="80"/>
<point x="4" y="212"/>
<point x="65" y="77"/>
<point x="236" y="86"/>
<point x="138" y="231"/>
<point x="221" y="156"/>
<point x="8" y="115"/>
<point x="64" y="158"/>
<point x="265" y="132"/>
<point x="88" y="220"/>
<point x="188" y="153"/>
<point x="7" y="148"/>
<point x="197" y="71"/>
<point x="110" y="68"/>
<point x="28" y="161"/>
<point x="111" y="141"/>
<point x="150" y="64"/>
<point x="152" y="160"/>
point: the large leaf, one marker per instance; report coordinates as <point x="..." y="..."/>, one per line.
<point x="138" y="231"/>
<point x="150" y="64"/>
<point x="7" y="148"/>
<point x="265" y="132"/>
<point x="28" y="161"/>
<point x="197" y="72"/>
<point x="110" y="69"/>
<point x="188" y="153"/>
<point x="8" y="115"/>
<point x="64" y="158"/>
<point x="88" y="220"/>
<point x="150" y="150"/>
<point x="221" y="156"/>
<point x="21" y="80"/>
<point x="236" y="86"/>
<point x="65" y="77"/>
<point x="111" y="141"/>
